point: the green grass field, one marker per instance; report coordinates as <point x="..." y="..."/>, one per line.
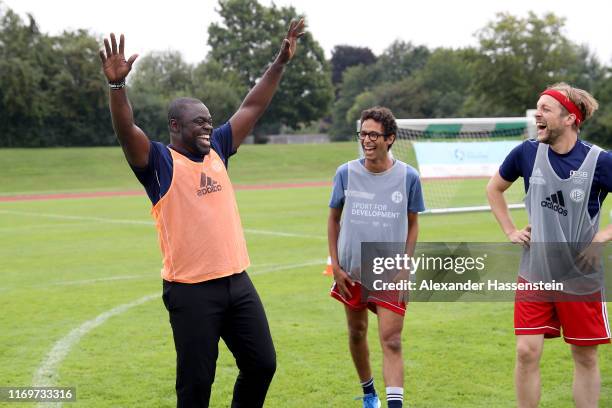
<point x="105" y="169"/>
<point x="68" y="262"/>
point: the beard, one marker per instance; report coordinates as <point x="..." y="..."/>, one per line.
<point x="550" y="136"/>
<point x="200" y="147"/>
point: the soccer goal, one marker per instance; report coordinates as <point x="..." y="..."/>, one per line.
<point x="456" y="157"/>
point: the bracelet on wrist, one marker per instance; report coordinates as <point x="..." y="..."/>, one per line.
<point x="116" y="85"/>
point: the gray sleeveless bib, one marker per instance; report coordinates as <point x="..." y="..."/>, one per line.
<point x="561" y="226"/>
<point x="375" y="210"/>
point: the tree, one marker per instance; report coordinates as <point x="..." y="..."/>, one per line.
<point x="78" y="114"/>
<point x="429" y="92"/>
<point x="345" y="56"/>
<point x="158" y="78"/>
<point x="401" y="59"/>
<point x="448" y="76"/>
<point x="520" y="57"/>
<point x="221" y="90"/>
<point x="599" y="128"/>
<point x="22" y="106"/>
<point x="356" y="80"/>
<point x="51" y="88"/>
<point x="163" y="76"/>
<point x="162" y="72"/>
<point x="249" y="37"/>
<point x="397" y="63"/>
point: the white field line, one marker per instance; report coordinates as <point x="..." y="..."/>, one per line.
<point x="24" y="228"/>
<point x="141" y="276"/>
<point x="254" y="268"/>
<point x="78" y="218"/>
<point x="283" y="234"/>
<point x="96" y="280"/>
<point x="47" y="373"/>
<point x="148" y="223"/>
<point x="82" y="281"/>
<point x="67" y="191"/>
<point x="285" y="267"/>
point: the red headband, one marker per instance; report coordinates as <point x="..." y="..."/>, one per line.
<point x="567" y="104"/>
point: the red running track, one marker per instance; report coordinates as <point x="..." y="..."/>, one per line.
<point x="127" y="193"/>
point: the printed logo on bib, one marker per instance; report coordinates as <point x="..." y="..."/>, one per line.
<point x="359" y="194"/>
<point x="537" y="177"/>
<point x="372" y="210"/>
<point x="216" y="165"/>
<point x="577" y="195"/>
<point x="537" y="181"/>
<point x="207" y="185"/>
<point x="397" y="197"/>
<point x="579" y="177"/>
<point x="555" y="202"/>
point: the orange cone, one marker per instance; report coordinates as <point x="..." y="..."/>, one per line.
<point x="329" y="271"/>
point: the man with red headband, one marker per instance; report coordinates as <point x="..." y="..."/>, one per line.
<point x="566" y="181"/>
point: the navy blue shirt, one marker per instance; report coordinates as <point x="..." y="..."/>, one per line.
<point x="157" y="176"/>
<point x="520" y="161"/>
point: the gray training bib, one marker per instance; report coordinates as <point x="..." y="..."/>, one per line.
<point x="375" y="210"/>
<point x="561" y="226"/>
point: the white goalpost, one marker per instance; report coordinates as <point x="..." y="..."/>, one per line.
<point x="456" y="157"/>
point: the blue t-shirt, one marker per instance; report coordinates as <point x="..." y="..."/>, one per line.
<point x="520" y="161"/>
<point x="413" y="187"/>
<point x="157" y="176"/>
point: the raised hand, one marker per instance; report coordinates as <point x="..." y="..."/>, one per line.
<point x="289" y="45"/>
<point x="114" y="65"/>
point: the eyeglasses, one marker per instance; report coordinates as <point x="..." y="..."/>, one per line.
<point x="373" y="136"/>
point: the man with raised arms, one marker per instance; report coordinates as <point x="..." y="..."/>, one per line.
<point x="206" y="289"/>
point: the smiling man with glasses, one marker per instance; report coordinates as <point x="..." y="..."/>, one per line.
<point x="383" y="198"/>
<point x="373" y="136"/>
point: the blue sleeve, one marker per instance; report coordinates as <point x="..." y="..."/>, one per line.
<point x="510" y="169"/>
<point x="157" y="176"/>
<point x="604" y="171"/>
<point x="340" y="182"/>
<point x="415" y="193"/>
<point x="221" y="142"/>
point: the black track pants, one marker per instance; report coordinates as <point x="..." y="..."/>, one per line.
<point x="200" y="314"/>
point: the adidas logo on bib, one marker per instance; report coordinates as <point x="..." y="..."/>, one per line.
<point x="556" y="203"/>
<point x="207" y="185"/>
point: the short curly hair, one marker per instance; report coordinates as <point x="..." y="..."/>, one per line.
<point x="384" y="116"/>
<point x="177" y="106"/>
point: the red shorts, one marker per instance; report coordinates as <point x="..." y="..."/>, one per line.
<point x="371" y="299"/>
<point x="583" y="323"/>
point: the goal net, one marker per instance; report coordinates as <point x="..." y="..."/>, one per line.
<point x="456" y="158"/>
